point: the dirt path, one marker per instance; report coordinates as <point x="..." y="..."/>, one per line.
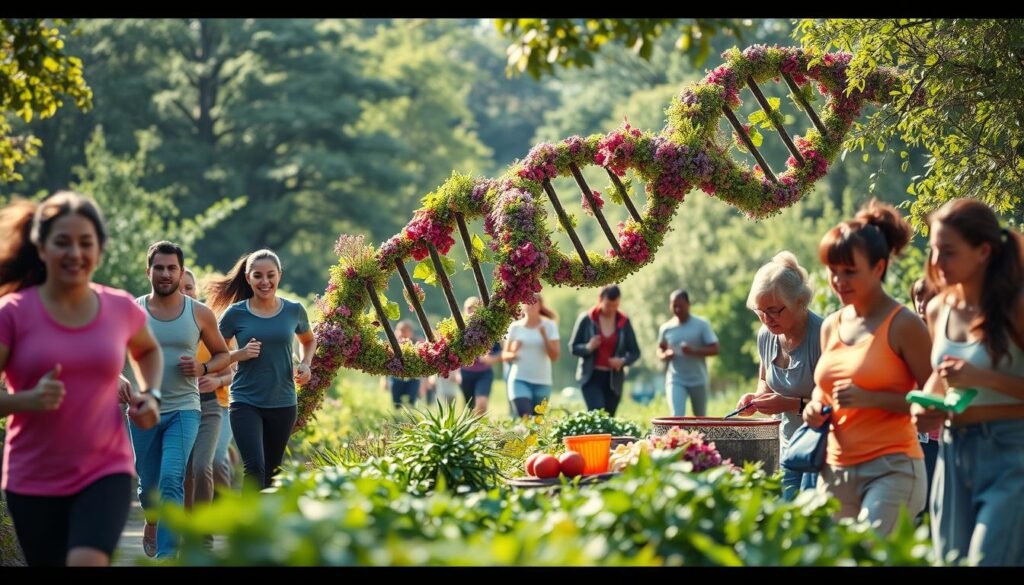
<point x="129" y="548"/>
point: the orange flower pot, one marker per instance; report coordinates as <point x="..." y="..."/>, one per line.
<point x="595" y="450"/>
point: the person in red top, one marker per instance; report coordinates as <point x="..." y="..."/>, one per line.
<point x="67" y="460"/>
<point x="604" y="341"/>
<point x="874" y="351"/>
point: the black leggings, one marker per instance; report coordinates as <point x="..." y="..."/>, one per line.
<point x="598" y="393"/>
<point x="261" y="435"/>
<point x="48" y="527"/>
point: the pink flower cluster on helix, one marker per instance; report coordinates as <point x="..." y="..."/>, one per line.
<point x="585" y="203"/>
<point x="615" y="151"/>
<point x="426" y="228"/>
<point x="670" y="163"/>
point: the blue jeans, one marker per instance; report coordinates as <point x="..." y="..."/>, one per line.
<point x="409" y="389"/>
<point x="160" y="457"/>
<point x="979" y="479"/>
<point x="527" y="395"/>
<point x="794" y="482"/>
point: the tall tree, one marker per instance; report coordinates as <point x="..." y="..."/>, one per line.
<point x="961" y="101"/>
<point x="249" y="107"/>
<point x="34" y="71"/>
<point x="539" y="44"/>
<point x="135" y="216"/>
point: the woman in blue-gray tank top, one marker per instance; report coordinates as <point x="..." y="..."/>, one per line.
<point x="977" y="325"/>
<point x="263" y="400"/>
<point x="788" y="345"/>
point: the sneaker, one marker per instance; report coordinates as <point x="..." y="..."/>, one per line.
<point x="149" y="540"/>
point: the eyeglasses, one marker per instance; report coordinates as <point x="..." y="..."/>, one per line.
<point x="773" y="313"/>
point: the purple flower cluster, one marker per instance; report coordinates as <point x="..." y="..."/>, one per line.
<point x="678" y="168"/>
<point x="338" y="347"/>
<point x="726" y="78"/>
<point x="475" y="335"/>
<point x="480" y="190"/>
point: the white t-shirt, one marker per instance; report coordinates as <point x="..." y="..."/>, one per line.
<point x="446" y="387"/>
<point x="533" y="364"/>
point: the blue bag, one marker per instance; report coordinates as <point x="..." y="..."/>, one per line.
<point x="806" y="450"/>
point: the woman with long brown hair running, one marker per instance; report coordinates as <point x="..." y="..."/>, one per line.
<point x="63" y="339"/>
<point x="263" y="399"/>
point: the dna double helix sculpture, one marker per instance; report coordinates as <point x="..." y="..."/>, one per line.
<point x="689" y="152"/>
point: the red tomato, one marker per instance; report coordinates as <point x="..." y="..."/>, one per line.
<point x="530" y="462"/>
<point x="546" y="466"/>
<point x="571" y="463"/>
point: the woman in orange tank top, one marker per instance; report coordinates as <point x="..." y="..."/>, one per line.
<point x="874" y="350"/>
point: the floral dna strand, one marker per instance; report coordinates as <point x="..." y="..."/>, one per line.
<point x="689" y="152"/>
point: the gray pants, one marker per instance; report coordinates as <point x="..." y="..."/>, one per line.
<point x="678" y="392"/>
<point x="201" y="467"/>
<point x="876" y="490"/>
<point x="976" y="492"/>
<point x="223" y="468"/>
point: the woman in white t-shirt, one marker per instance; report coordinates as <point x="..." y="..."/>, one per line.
<point x="531" y="346"/>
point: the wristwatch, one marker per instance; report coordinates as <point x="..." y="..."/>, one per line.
<point x="154" y="392"/>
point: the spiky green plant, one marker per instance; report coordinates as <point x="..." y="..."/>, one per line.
<point x="445" y="447"/>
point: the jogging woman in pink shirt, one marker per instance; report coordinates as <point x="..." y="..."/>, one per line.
<point x="67" y="460"/>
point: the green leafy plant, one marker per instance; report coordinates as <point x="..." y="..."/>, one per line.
<point x="592" y="422"/>
<point x="657" y="512"/>
<point x="447" y="445"/>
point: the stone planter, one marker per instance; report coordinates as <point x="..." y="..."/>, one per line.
<point x="741" y="440"/>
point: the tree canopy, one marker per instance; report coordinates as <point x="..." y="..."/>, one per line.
<point x="35" y="71"/>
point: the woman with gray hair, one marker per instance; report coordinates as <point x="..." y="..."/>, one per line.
<point x="789" y="345"/>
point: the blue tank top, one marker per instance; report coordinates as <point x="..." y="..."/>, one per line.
<point x="975" y="353"/>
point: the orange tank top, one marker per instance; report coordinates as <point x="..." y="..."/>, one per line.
<point x="862" y="434"/>
<point x="203" y="356"/>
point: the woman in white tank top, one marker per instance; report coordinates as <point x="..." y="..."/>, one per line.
<point x="977" y="328"/>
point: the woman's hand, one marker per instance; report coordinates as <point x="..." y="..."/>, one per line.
<point x="927" y="418"/>
<point x="846" y="394"/>
<point x="302" y="373"/>
<point x="144" y="411"/>
<point x="250" y="351"/>
<point x="208" y="384"/>
<point x="772" y="403"/>
<point x="743" y="402"/>
<point x="956" y="372"/>
<point x="812" y="414"/>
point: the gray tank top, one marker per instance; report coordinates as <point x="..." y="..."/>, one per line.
<point x="975" y="353"/>
<point x="797" y="379"/>
<point x="177" y="337"/>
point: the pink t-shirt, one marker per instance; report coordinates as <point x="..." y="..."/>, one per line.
<point x="60" y="452"/>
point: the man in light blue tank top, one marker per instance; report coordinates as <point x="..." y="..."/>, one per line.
<point x="178" y="323"/>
